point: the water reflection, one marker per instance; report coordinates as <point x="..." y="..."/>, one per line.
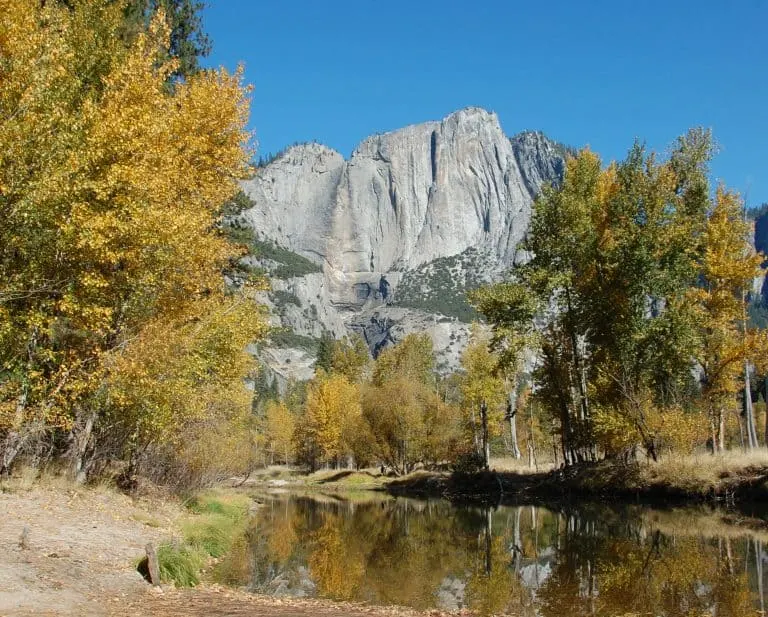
<point x="526" y="561"/>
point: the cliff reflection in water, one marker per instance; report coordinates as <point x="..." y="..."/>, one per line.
<point x="518" y="560"/>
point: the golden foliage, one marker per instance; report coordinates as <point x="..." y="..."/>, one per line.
<point x="481" y="384"/>
<point x="728" y="267"/>
<point x="280" y="425"/>
<point x="111" y="294"/>
<point x="336" y="565"/>
<point x="333" y="406"/>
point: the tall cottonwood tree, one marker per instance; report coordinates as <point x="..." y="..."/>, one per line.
<point x="110" y="184"/>
<point x="483" y="392"/>
<point x="729" y="264"/>
<point x="615" y="253"/>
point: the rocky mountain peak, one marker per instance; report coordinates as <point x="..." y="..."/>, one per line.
<point x="437" y="207"/>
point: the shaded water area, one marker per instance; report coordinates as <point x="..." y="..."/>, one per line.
<point x="528" y="560"/>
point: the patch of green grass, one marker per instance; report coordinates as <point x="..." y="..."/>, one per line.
<point x="213" y="533"/>
<point x="216" y="523"/>
<point x="180" y="564"/>
<point x="233" y="506"/>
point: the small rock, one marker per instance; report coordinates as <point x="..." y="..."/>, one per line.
<point x="24" y="539"/>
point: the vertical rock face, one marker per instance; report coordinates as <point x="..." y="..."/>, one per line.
<point x="415" y="200"/>
<point x="294" y="199"/>
<point x="429" y="191"/>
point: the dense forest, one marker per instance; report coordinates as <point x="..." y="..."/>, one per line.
<point x="123" y="330"/>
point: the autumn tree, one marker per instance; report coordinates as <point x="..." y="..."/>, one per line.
<point x="280" y="425"/>
<point x="483" y="392"/>
<point x="603" y="299"/>
<point x="729" y="265"/>
<point x="412" y="358"/>
<point x="350" y="357"/>
<point x="110" y="262"/>
<point x="408" y="420"/>
<point x="333" y="409"/>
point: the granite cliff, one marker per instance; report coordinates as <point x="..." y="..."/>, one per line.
<point x="395" y="234"/>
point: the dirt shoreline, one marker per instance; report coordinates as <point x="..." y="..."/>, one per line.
<point x="74" y="551"/>
<point x="78" y="557"/>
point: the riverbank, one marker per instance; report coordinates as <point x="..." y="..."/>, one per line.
<point x="731" y="479"/>
<point x="72" y="551"/>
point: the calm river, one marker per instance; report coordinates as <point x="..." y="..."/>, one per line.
<point x="527" y="560"/>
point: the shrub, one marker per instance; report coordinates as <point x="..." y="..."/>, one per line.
<point x="284" y="338"/>
<point x="284" y="298"/>
<point x="468" y="462"/>
<point x="441" y="286"/>
<point x="287" y="264"/>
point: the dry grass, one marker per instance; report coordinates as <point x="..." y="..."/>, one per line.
<point x="519" y="465"/>
<point x="325" y="479"/>
<point x="699" y="473"/>
<point x="26" y="478"/>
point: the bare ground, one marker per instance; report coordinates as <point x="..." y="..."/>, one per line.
<point x="80" y="549"/>
<point x="218" y="602"/>
<point x="79" y="553"/>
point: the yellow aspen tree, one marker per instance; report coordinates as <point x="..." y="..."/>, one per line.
<point x="350" y="357"/>
<point x="728" y="266"/>
<point x="333" y="404"/>
<point x="483" y="392"/>
<point x="280" y="425"/>
<point x="110" y="187"/>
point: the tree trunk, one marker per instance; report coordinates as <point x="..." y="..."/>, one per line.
<point x="475" y="431"/>
<point x="765" y="398"/>
<point x="720" y="431"/>
<point x="81" y="437"/>
<point x="512" y="415"/>
<point x="486" y="441"/>
<point x="14" y="441"/>
<point x="581" y="378"/>
<point x="11" y="448"/>
<point x="749" y="413"/>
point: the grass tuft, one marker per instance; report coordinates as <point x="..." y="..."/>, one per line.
<point x="232" y="506"/>
<point x="212" y="533"/>
<point x="180" y="564"/>
<point x="216" y="523"/>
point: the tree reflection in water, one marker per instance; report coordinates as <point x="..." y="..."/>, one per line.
<point x="527" y="561"/>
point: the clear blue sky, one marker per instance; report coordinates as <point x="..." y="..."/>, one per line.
<point x="583" y="71"/>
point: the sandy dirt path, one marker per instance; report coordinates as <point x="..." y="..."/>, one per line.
<point x="78" y="554"/>
<point x="79" y="550"/>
